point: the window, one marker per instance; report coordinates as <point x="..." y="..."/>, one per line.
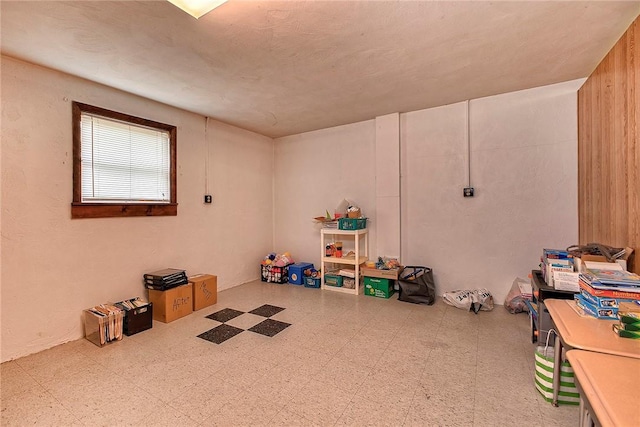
<point x="122" y="165"/>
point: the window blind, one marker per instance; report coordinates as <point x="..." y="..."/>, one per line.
<point x="123" y="163"/>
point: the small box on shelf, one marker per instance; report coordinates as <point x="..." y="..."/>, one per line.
<point x="625" y="261"/>
<point x="348" y="282"/>
<point x="311" y="282"/>
<point x="610" y="313"/>
<point x="603" y="302"/>
<point x="333" y="280"/>
<point x="352" y="223"/>
<point x="391" y="274"/>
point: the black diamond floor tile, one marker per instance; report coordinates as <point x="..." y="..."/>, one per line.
<point x="220" y="333"/>
<point x="225" y="315"/>
<point x="269" y="327"/>
<point x="267" y="310"/>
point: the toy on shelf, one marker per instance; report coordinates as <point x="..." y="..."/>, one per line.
<point x="385" y="263"/>
<point x="278" y="260"/>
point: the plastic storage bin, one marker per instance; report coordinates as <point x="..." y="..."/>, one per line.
<point x="273" y="274"/>
<point x="352" y="223"/>
<point x="296" y="272"/>
<point x="311" y="282"/>
<point x="333" y="280"/>
<point x="136" y="319"/>
<point x="101" y="328"/>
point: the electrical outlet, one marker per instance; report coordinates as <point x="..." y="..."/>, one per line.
<point x="468" y="192"/>
<point x="208" y="198"/>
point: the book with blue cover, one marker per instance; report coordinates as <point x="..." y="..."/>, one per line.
<point x="556" y="254"/>
<point x="611" y="277"/>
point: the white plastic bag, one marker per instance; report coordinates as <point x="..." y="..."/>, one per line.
<point x="458" y="298"/>
<point x="514" y="302"/>
<point x="470" y="300"/>
<point x="341" y="210"/>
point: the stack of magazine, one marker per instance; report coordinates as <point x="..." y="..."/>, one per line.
<point x="611" y="279"/>
<point x="165" y="279"/>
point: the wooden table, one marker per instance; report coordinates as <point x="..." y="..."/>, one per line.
<point x="584" y="333"/>
<point x="608" y="387"/>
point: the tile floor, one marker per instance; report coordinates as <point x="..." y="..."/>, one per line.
<point x="344" y="361"/>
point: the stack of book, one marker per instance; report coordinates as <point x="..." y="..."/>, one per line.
<point x="602" y="291"/>
<point x="165" y="279"/>
<point x="131" y="304"/>
<point x="555" y="260"/>
<point x="629" y="326"/>
<point x="103" y="324"/>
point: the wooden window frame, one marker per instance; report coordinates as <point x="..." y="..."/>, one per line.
<point x="108" y="210"/>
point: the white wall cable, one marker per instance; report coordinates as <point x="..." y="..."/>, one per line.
<point x="206" y="156"/>
<point x="468" y="132"/>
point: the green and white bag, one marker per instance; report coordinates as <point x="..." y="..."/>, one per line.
<point x="568" y="393"/>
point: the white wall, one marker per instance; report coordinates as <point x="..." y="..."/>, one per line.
<point x="524" y="170"/>
<point x="523" y="166"/>
<point x="54" y="267"/>
<point x="314" y="171"/>
<point x="388" y="185"/>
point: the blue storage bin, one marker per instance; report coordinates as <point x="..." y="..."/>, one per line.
<point x="311" y="282"/>
<point x="296" y="272"/>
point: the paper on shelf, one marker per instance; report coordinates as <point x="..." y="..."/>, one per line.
<point x="603" y="265"/>
<point x="566" y="281"/>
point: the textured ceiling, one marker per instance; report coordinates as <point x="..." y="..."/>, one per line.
<point x="284" y="67"/>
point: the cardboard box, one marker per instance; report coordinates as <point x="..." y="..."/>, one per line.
<point x="172" y="304"/>
<point x="602" y="302"/>
<point x="595" y="311"/>
<point x="625" y="261"/>
<point x="377" y="287"/>
<point x="205" y="290"/>
<point x="382" y="274"/>
<point x="609" y="293"/>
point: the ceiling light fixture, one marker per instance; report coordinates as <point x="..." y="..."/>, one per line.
<point x="197" y="8"/>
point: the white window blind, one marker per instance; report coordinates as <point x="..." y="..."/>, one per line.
<point x="123" y="162"/>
